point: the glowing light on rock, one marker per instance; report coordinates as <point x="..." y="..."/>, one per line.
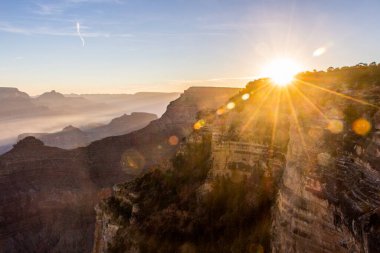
<point x="230" y="105"/>
<point x="335" y="126"/>
<point x="173" y="140"/>
<point x="361" y="126"/>
<point x="245" y="96"/>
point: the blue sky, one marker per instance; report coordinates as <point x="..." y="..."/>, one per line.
<point x="153" y="45"/>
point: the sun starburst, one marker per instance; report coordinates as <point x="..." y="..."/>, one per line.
<point x="281" y="71"/>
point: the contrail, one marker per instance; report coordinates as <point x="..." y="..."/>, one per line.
<point x="80" y="35"/>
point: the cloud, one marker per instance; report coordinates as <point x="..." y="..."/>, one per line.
<point x="62" y="6"/>
<point x="6" y="27"/>
<point x="80" y="35"/>
<point x="48" y="9"/>
<point x="12" y="29"/>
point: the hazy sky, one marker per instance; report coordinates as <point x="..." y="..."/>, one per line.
<point x="154" y="45"/>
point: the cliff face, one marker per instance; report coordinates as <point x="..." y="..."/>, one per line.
<point x="329" y="199"/>
<point x="292" y="171"/>
<point x="46" y="200"/>
<point x="51" y="193"/>
<point x="157" y="142"/>
<point x="215" y="196"/>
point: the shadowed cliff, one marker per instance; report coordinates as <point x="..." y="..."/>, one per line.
<point x="51" y="193"/>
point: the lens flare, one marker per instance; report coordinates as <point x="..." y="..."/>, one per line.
<point x="319" y="51"/>
<point x="173" y="140"/>
<point x="245" y="96"/>
<point x="230" y="105"/>
<point x="335" y="126"/>
<point x="361" y="126"/>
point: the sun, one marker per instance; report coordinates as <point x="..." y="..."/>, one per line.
<point x="281" y="71"/>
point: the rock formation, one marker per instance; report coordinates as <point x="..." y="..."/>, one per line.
<point x="51" y="193"/>
<point x="15" y="104"/>
<point x="215" y="196"/>
<point x="329" y="199"/>
<point x="320" y="193"/>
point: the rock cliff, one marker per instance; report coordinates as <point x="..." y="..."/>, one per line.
<point x="329" y="199"/>
<point x="215" y="196"/>
<point x="51" y="193"/>
<point x="292" y="170"/>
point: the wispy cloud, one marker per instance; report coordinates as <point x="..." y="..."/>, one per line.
<point x="9" y="28"/>
<point x="80" y="35"/>
<point x="60" y="7"/>
<point x="48" y="9"/>
<point x="4" y="27"/>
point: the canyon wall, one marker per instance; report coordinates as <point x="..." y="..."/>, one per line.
<point x="329" y="197"/>
<point x="320" y="194"/>
<point x="49" y="194"/>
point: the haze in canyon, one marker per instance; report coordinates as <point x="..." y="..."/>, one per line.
<point x="137" y="126"/>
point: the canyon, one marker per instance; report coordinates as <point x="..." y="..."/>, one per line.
<point x="51" y="193"/>
<point x="259" y="169"/>
<point x="52" y="111"/>
<point x="308" y="183"/>
<point x="72" y="137"/>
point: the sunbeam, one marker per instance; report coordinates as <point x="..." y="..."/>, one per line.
<point x="299" y="128"/>
<point x="314" y="106"/>
<point x="263" y="100"/>
<point x="275" y="116"/>
<point x="338" y="94"/>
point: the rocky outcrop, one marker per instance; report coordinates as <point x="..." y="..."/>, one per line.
<point x="157" y="142"/>
<point x="304" y="218"/>
<point x="9" y="92"/>
<point x="47" y="200"/>
<point x="51" y="193"/>
<point x="329" y="199"/>
<point x="215" y="196"/>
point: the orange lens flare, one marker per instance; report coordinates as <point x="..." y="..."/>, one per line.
<point x="361" y="126"/>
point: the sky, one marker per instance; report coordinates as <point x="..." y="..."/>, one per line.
<point x="127" y="46"/>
